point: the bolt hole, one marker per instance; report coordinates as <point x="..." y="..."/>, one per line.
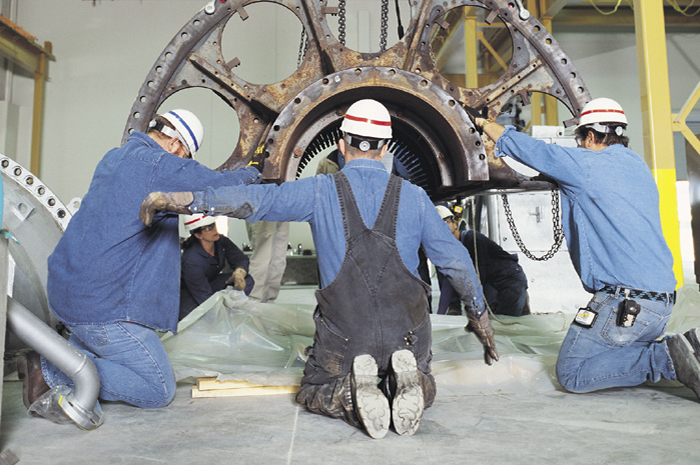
<point x="482" y="156"/>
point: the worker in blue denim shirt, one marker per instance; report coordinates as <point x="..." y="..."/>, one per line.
<point x="372" y="320"/>
<point x="611" y="220"/>
<point x="112" y="281"/>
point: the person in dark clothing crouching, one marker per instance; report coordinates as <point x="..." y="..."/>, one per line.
<point x="205" y="254"/>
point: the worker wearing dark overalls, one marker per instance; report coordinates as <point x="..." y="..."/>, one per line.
<point x="372" y="317"/>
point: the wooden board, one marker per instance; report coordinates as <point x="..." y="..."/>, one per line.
<point x="211" y="387"/>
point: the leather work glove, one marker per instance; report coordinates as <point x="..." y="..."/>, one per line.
<point x="175" y="202"/>
<point x="481" y="325"/>
<point x="237" y="279"/>
<point x="474" y="114"/>
<point x="258" y="160"/>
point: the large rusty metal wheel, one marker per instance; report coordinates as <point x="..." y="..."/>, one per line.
<point x="299" y="116"/>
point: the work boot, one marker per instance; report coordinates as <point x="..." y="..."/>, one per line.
<point x="29" y="372"/>
<point x="371" y="404"/>
<point x="408" y="404"/>
<point x="454" y="309"/>
<point x="685" y="355"/>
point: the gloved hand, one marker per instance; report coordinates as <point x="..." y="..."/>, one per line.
<point x="258" y="160"/>
<point x="175" y="202"/>
<point x="474" y="114"/>
<point x="482" y="327"/>
<point x="237" y="279"/>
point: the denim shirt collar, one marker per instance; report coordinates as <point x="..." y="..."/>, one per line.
<point x="365" y="163"/>
<point x="144" y="139"/>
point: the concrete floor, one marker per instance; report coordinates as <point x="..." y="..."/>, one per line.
<point x="643" y="425"/>
<point x="621" y="426"/>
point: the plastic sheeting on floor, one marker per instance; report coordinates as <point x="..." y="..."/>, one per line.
<point x="234" y="338"/>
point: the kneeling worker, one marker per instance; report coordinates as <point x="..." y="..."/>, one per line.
<point x="611" y="219"/>
<point x="372" y="318"/>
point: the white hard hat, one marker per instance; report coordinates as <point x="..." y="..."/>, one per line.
<point x="189" y="129"/>
<point x="602" y="111"/>
<point x="444" y="212"/>
<point x="198" y="220"/>
<point x="367" y="118"/>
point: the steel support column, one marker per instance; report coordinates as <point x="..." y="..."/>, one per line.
<point x="656" y="117"/>
<point x="471" y="72"/>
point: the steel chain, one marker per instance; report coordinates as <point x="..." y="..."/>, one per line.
<point x="558" y="233"/>
<point x="385" y="23"/>
<point x="303" y="45"/>
<point x="341" y="21"/>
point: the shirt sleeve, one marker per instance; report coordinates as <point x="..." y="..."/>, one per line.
<point x="567" y="165"/>
<point x="290" y="201"/>
<point x="175" y="174"/>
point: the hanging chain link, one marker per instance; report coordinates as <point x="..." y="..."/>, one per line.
<point x="303" y="45"/>
<point x="558" y="233"/>
<point x="385" y="23"/>
<point x="341" y="21"/>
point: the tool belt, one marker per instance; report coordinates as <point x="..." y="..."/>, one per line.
<point x="669" y="297"/>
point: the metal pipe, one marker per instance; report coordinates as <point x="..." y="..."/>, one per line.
<point x="80" y="404"/>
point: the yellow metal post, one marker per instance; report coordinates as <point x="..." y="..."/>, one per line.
<point x="551" y="105"/>
<point x="471" y="63"/>
<point x="656" y="117"/>
<point x="38" y="114"/>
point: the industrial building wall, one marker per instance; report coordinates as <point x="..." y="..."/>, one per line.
<point x="104" y="50"/>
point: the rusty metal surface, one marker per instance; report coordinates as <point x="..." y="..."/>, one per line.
<point x="289" y="115"/>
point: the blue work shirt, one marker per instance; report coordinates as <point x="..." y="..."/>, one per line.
<point x="315" y="200"/>
<point x="107" y="266"/>
<point x="610" y="211"/>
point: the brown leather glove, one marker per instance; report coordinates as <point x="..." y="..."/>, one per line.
<point x="237" y="279"/>
<point x="175" y="202"/>
<point x="481" y="326"/>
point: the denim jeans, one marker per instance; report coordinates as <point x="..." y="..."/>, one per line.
<point x="130" y="359"/>
<point x="607" y="355"/>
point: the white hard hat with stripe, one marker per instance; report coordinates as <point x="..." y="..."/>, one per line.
<point x="600" y="112"/>
<point x="188" y="129"/>
<point x="367" y="118"/>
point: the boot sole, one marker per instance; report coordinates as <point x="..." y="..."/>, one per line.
<point x="683" y="344"/>
<point x="371" y="404"/>
<point x="408" y="404"/>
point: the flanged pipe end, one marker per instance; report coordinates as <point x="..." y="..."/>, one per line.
<point x="85" y="420"/>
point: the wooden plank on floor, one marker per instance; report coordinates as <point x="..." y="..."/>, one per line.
<point x="209" y="384"/>
<point x="244" y="391"/>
